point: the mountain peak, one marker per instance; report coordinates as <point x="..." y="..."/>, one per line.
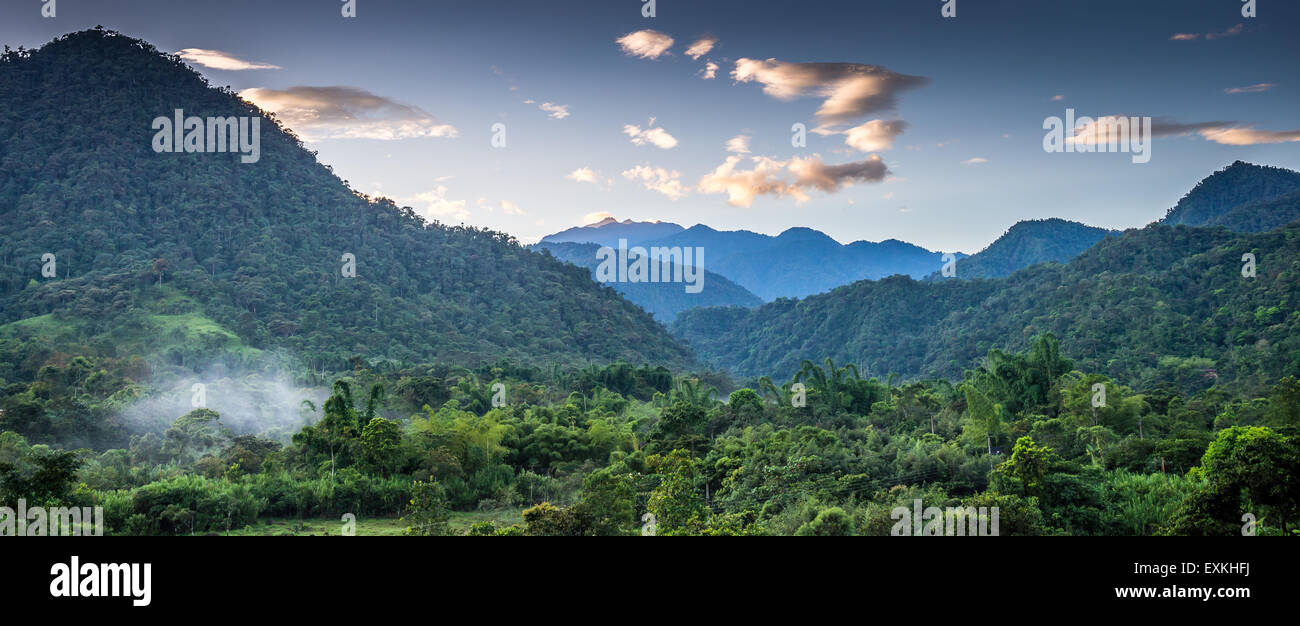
<point x="1217" y="199"/>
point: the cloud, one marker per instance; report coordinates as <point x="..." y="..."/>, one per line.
<point x="849" y="90"/>
<point x="1260" y="88"/>
<point x="710" y="71"/>
<point x="1231" y="32"/>
<point x="793" y="178"/>
<point x="317" y="113"/>
<point x="555" y="111"/>
<point x="657" y="137"/>
<point x="1099" y="129"/>
<point x="434" y="205"/>
<point x="645" y="44"/>
<point x="738" y="144"/>
<point x="219" y="60"/>
<point x="875" y="135"/>
<point x="812" y="172"/>
<point x="582" y="175"/>
<point x="701" y="47"/>
<point x="599" y="216"/>
<point x="1221" y="132"/>
<point x="1248" y="136"/>
<point x="658" y="179"/>
<point x="1058" y="98"/>
<point x="975" y="161"/>
<point x="510" y="208"/>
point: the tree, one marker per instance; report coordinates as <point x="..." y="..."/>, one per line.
<point x="427" y="512"/>
<point x="676" y="502"/>
<point x="194" y="433"/>
<point x="832" y="522"/>
<point x="381" y="441"/>
<point x="1030" y="464"/>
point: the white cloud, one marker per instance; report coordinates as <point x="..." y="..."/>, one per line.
<point x="1260" y="88"/>
<point x="1058" y="98"/>
<point x="555" y="111"/>
<point x="975" y="161"/>
<point x="657" y="137"/>
<point x="317" y="113"/>
<point x="710" y="71"/>
<point x="510" y="208"/>
<point x="434" y="205"/>
<point x="1248" y="136"/>
<point x="849" y="90"/>
<point x="701" y="47"/>
<point x="738" y="144"/>
<point x="645" y="44"/>
<point x="219" y="60"/>
<point x="658" y="179"/>
<point x="875" y="135"/>
<point x="582" y="175"/>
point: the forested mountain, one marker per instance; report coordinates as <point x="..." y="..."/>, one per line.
<point x="257" y="249"/>
<point x="1029" y="243"/>
<point x="800" y="261"/>
<point x="664" y="300"/>
<point x="608" y="231"/>
<point x="1243" y="197"/>
<point x="1160" y="304"/>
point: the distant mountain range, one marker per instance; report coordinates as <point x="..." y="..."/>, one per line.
<point x="1154" y="304"/>
<point x="795" y="264"/>
<point x="662" y="300"/>
<point x="608" y="231"/>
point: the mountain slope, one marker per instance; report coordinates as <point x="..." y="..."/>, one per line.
<point x="1237" y="198"/>
<point x="1161" y="303"/>
<point x="664" y="300"/>
<point x="1029" y="243"/>
<point x="260" y="246"/>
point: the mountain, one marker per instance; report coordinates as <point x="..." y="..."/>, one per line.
<point x="800" y="261"/>
<point x="1158" y="304"/>
<point x="608" y="231"/>
<point x="1242" y="197"/>
<point x="203" y="245"/>
<point x="1029" y="243"/>
<point x="664" y="300"/>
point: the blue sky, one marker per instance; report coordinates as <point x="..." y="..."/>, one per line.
<point x="974" y="87"/>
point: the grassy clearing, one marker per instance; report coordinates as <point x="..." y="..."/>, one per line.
<point x="366" y="527"/>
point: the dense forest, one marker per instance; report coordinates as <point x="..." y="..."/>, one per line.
<point x="507" y="450"/>
<point x="258" y="248"/>
<point x="197" y="364"/>
<point x="1159" y="305"/>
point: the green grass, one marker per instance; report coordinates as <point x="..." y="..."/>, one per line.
<point x="43" y="325"/>
<point x="366" y="527"/>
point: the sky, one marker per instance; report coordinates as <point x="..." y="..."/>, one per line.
<point x="919" y="127"/>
